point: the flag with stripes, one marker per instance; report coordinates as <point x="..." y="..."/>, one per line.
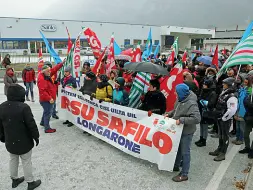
<point x="243" y="54"/>
<point x="140" y="87"/>
<point x="175" y="47"/>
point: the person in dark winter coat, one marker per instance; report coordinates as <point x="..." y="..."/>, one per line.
<point x="207" y="102"/>
<point x="47" y="94"/>
<point x="9" y="78"/>
<point x="120" y="96"/>
<point x="68" y="81"/>
<point x="90" y="84"/>
<point x="154" y="100"/>
<point x="225" y="110"/>
<point x="28" y="76"/>
<point x="86" y="68"/>
<point x="18" y="130"/>
<point x="186" y="112"/>
<point x="6" y="61"/>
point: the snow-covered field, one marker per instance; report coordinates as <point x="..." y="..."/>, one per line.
<point x="71" y="160"/>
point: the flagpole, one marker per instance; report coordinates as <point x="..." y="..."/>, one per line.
<point x="238" y="72"/>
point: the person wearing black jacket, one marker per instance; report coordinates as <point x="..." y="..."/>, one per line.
<point x="207" y="102"/>
<point x="18" y="130"/>
<point x="154" y="100"/>
<point x="90" y="84"/>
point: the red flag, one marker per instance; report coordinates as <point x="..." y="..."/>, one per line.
<point x="137" y="54"/>
<point x="99" y="67"/>
<point x="69" y="41"/>
<point x="184" y="58"/>
<point x="128" y="52"/>
<point x="93" y="41"/>
<point x="170" y="60"/>
<point x="168" y="85"/>
<point x="215" y="60"/>
<point x="110" y="57"/>
<point x="40" y="61"/>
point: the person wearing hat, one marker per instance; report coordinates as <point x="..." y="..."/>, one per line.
<point x="154" y="100"/>
<point x="120" y="96"/>
<point x="86" y="67"/>
<point x="187" y="113"/>
<point x="55" y="80"/>
<point x="68" y="81"/>
<point x="90" y="84"/>
<point x="103" y="90"/>
<point x="47" y="94"/>
<point x="207" y="102"/>
<point x="225" y="110"/>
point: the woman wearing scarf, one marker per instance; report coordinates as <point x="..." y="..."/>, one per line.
<point x="9" y="78"/>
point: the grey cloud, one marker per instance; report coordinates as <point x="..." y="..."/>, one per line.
<point x="191" y="13"/>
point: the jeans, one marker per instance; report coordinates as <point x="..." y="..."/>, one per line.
<point x="54" y="109"/>
<point x="26" y="160"/>
<point x="29" y="87"/>
<point x="240" y="128"/>
<point x="47" y="113"/>
<point x="203" y="130"/>
<point x="223" y="131"/>
<point x="248" y="129"/>
<point x="184" y="153"/>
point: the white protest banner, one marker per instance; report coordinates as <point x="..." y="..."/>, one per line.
<point x="153" y="138"/>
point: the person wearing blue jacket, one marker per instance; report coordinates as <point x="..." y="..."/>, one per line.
<point x="68" y="81"/>
<point x="120" y="96"/>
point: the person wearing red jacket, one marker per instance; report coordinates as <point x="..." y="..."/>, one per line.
<point x="47" y="94"/>
<point x="28" y="76"/>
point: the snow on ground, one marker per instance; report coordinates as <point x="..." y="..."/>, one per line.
<point x="71" y="160"/>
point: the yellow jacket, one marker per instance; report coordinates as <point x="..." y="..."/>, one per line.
<point x="104" y="93"/>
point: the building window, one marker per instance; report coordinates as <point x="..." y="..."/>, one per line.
<point x="156" y="42"/>
<point x="136" y="42"/>
<point x="126" y="42"/>
<point x="14" y="45"/>
<point x="60" y="44"/>
<point x="84" y="43"/>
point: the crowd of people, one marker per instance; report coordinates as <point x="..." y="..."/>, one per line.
<point x="201" y="99"/>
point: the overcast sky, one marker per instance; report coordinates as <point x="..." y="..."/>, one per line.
<point x="191" y="13"/>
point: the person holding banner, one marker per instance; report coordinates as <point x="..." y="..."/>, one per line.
<point x="68" y="82"/>
<point x="90" y="84"/>
<point x="120" y="96"/>
<point x="104" y="90"/>
<point x="47" y="94"/>
<point x="187" y="113"/>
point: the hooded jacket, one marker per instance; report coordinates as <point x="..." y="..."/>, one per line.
<point x="120" y="96"/>
<point x="28" y="75"/>
<point x="187" y="111"/>
<point x="8" y="80"/>
<point x="18" y="128"/>
<point x="46" y="86"/>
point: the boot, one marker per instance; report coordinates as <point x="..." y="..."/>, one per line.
<point x="220" y="157"/>
<point x="66" y="122"/>
<point x="202" y="143"/>
<point x="199" y="141"/>
<point x="33" y="185"/>
<point x="50" y="131"/>
<point x="27" y="98"/>
<point x="215" y="153"/>
<point x="250" y="155"/>
<point x="16" y="182"/>
<point x="55" y="117"/>
<point x="70" y="124"/>
<point x="244" y="151"/>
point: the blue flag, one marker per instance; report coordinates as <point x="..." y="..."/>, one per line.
<point x="148" y="47"/>
<point x="157" y="49"/>
<point x="117" y="49"/>
<point x="52" y="52"/>
<point x="247" y="32"/>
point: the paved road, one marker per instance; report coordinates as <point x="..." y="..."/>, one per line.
<point x="71" y="160"/>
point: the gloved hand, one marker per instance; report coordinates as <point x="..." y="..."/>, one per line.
<point x="34" y="82"/>
<point x="149" y="113"/>
<point x="25" y="83"/>
<point x="37" y="141"/>
<point x="101" y="100"/>
<point x="92" y="96"/>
